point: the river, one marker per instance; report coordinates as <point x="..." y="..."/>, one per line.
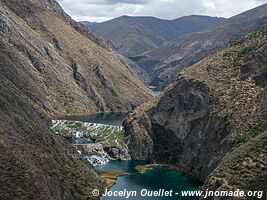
<point x="153" y="180"/>
<point x="157" y="177"/>
<point x="155" y="90"/>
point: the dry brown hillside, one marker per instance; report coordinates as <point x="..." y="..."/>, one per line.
<point x="51" y="66"/>
<point x="59" y="65"/>
<point x="165" y="62"/>
<point x="134" y="35"/>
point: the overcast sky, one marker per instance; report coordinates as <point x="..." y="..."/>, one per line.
<point x="102" y="10"/>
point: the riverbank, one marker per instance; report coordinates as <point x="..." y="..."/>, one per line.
<point x="140" y="175"/>
<point x="145" y="168"/>
<point x="100" y="139"/>
<point x="110" y="178"/>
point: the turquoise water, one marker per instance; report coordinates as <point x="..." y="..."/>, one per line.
<point x="125" y="166"/>
<point x="155" y="179"/>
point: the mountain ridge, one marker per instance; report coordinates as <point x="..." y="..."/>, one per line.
<point x="139" y="34"/>
<point x="83" y="70"/>
<point x="167" y="60"/>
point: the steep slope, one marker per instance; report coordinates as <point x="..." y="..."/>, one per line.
<point x="166" y="61"/>
<point x="134" y="35"/>
<point x="62" y="68"/>
<point x="247" y="164"/>
<point x="36" y="164"/>
<point x="213" y="107"/>
<point x="52" y="66"/>
<point x="248" y="15"/>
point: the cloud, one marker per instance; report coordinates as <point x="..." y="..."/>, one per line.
<point x="112" y="2"/>
<point x="127" y="1"/>
<point x="101" y="10"/>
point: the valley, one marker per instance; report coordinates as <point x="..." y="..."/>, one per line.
<point x="137" y="104"/>
<point x="210" y="114"/>
<point x="164" y="61"/>
<point x="134" y="35"/>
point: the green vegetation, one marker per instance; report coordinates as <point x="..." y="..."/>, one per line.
<point x="245" y="166"/>
<point x="74" y="125"/>
<point x="248" y="50"/>
<point x="63" y="131"/>
<point x="247" y="46"/>
<point x="254" y="131"/>
<point x="113" y="135"/>
<point x="260" y="147"/>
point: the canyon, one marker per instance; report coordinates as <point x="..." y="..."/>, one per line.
<point x="206" y="130"/>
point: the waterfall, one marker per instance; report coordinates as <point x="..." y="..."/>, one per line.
<point x="99" y="143"/>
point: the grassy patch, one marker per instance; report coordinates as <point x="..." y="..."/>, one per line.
<point x="256" y="130"/>
<point x="74" y="125"/>
<point x="113" y="135"/>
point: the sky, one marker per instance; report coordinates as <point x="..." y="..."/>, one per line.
<point x="103" y="10"/>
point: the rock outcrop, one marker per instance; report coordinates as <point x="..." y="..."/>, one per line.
<point x="213" y="109"/>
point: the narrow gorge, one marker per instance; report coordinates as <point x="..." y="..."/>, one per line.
<point x="155" y="108"/>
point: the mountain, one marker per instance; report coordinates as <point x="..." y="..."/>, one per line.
<point x="52" y="66"/>
<point x="87" y="24"/>
<point x="248" y="15"/>
<point x="211" y="121"/>
<point x="63" y="69"/>
<point x="134" y="35"/>
<point x="35" y="163"/>
<point x="166" y="61"/>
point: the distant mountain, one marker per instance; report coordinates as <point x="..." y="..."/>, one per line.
<point x="135" y="35"/>
<point x="165" y="62"/>
<point x="248" y="15"/>
<point x="87" y="24"/>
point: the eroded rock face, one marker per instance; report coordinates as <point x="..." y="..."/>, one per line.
<point x="7" y="27"/>
<point x="180" y="131"/>
<point x="205" y="112"/>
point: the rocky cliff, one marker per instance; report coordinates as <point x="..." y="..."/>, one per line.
<point x="213" y="115"/>
<point x="50" y="66"/>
